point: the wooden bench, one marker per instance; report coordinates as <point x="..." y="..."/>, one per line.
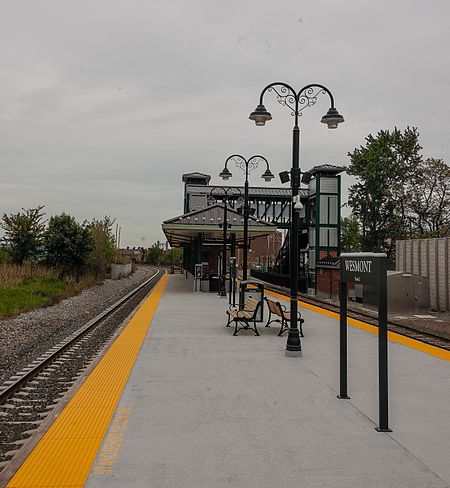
<point x="282" y="316"/>
<point x="246" y="318"/>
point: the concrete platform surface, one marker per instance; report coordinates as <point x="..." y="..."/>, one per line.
<point x="205" y="409"/>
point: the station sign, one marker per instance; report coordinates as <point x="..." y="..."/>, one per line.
<point x="360" y="267"/>
<point x="366" y="268"/>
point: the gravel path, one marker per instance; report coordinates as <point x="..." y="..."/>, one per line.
<point x="27" y="336"/>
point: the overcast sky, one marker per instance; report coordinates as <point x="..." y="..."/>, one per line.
<point x="104" y="104"/>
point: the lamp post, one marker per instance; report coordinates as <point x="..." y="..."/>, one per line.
<point x="246" y="165"/>
<point x="296" y="103"/>
<point x="225" y="194"/>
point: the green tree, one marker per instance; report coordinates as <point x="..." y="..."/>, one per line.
<point x="103" y="245"/>
<point x="177" y="256"/>
<point x="4" y="255"/>
<point x="67" y="243"/>
<point x="429" y="199"/>
<point x="379" y="199"/>
<point x="23" y="234"/>
<point x="155" y="255"/>
<point x="350" y="234"/>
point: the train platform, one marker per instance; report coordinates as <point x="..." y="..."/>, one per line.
<point x="201" y="408"/>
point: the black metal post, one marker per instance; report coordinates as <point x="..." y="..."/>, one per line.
<point x="234" y="283"/>
<point x="383" y="394"/>
<point x="246" y="165"/>
<point x="230" y="288"/>
<point x="223" y="292"/>
<point x="232" y="268"/>
<point x="296" y="102"/>
<point x="226" y="195"/>
<point x="245" y="261"/>
<point x="343" y="341"/>
<point x="293" y="345"/>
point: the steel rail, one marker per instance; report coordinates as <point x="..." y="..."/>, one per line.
<point x="370" y="319"/>
<point x="68" y="342"/>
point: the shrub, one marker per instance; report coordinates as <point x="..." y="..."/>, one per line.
<point x="4" y="255"/>
<point x="103" y="249"/>
<point x="67" y="244"/>
<point x="23" y="234"/>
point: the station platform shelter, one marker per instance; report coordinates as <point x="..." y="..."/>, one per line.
<point x="200" y="233"/>
<point x="199" y="230"/>
<point x="179" y="401"/>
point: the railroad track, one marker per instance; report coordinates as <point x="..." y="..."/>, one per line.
<point x="27" y="398"/>
<point x="427" y="338"/>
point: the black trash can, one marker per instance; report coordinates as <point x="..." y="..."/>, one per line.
<point x="214" y="283"/>
<point x="253" y="289"/>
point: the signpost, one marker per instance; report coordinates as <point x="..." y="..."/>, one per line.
<point x="366" y="268"/>
<point x="232" y="288"/>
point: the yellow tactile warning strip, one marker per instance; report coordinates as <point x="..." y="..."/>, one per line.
<point x="392" y="336"/>
<point x="106" y="458"/>
<point x="65" y="454"/>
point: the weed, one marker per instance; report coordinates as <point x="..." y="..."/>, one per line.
<point x="26" y="287"/>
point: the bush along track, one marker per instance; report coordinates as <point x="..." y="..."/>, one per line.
<point x="24" y="288"/>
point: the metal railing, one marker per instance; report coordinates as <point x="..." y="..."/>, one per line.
<point x="279" y="279"/>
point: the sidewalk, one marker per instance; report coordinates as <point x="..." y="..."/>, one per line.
<point x="205" y="409"/>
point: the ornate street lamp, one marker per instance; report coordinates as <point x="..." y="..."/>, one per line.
<point x="224" y="194"/>
<point x="246" y="166"/>
<point x="296" y="102"/>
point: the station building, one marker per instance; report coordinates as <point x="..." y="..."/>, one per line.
<point x="199" y="229"/>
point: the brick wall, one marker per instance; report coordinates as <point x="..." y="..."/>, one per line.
<point x="327" y="282"/>
<point x="262" y="250"/>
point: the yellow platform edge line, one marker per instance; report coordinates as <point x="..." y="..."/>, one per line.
<point x="392" y="336"/>
<point x="65" y="454"/>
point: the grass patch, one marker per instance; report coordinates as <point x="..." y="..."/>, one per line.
<point x="30" y="293"/>
<point x="14" y="274"/>
<point x="24" y="288"/>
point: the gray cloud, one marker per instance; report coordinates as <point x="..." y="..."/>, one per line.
<point x="104" y="104"/>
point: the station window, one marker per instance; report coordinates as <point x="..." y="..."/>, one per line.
<point x="328" y="237"/>
<point x="328" y="185"/>
<point x="312" y="211"/>
<point x="328" y="209"/>
<point x="312" y="236"/>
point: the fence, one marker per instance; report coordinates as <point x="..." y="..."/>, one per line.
<point x="428" y="258"/>
<point x="278" y="279"/>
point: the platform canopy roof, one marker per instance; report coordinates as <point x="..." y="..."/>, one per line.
<point x="208" y="223"/>
<point x="326" y="169"/>
<point x="253" y="191"/>
<point x="197" y="176"/>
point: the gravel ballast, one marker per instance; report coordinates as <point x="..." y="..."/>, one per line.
<point x="27" y="336"/>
